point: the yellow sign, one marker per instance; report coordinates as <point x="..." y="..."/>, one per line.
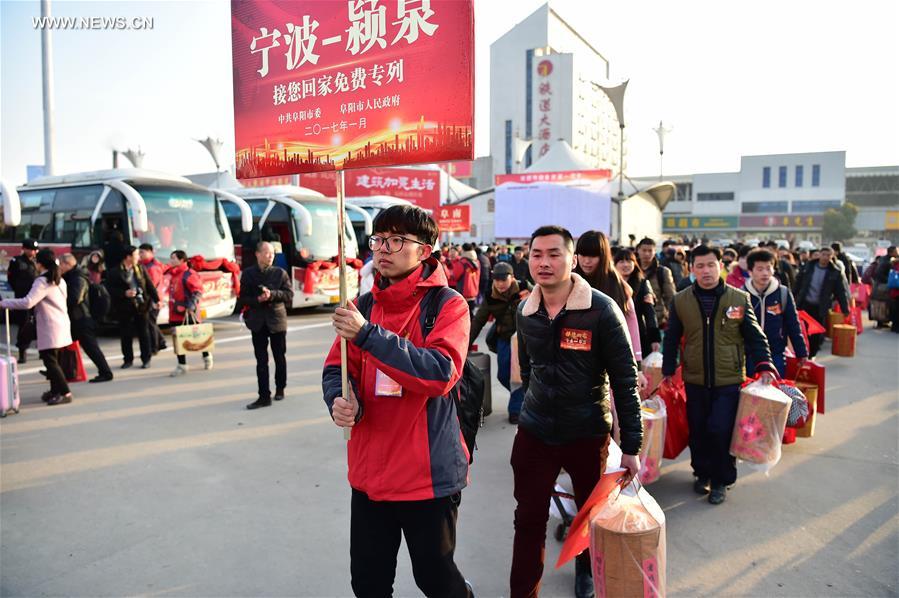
<point x="892" y="220"/>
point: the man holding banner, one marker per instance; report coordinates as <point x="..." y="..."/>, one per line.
<point x="407" y="460"/>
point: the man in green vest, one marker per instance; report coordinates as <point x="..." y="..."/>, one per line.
<point x="717" y="321"/>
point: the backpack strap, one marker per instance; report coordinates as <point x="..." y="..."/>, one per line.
<point x="783" y="297"/>
<point x="434" y="300"/>
<point x="365" y="303"/>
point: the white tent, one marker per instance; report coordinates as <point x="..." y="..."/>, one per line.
<point x="641" y="210"/>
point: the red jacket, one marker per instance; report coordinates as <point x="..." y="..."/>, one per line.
<point x="738" y="278"/>
<point x="179" y="299"/>
<point x="466" y="277"/>
<point x="155" y="271"/>
<point x="407" y="447"/>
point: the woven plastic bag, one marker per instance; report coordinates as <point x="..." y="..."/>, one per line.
<point x="652" y="369"/>
<point x="627" y="545"/>
<point x="655" y="417"/>
<point x="759" y="427"/>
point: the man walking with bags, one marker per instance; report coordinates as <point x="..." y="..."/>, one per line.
<point x="573" y="346"/>
<point x="265" y="292"/>
<point x="717" y="321"/>
<point x="660" y="279"/>
<point x="407" y="461"/>
<point x="84" y="328"/>
<point x="822" y="283"/>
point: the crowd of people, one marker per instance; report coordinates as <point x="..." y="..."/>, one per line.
<point x="58" y="300"/>
<point x="580" y="314"/>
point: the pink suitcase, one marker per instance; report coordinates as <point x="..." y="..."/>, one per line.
<point x="9" y="378"/>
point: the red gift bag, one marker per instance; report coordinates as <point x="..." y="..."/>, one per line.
<point x="855" y="319"/>
<point x="861" y="293"/>
<point x="677" y="434"/>
<point x="71" y="363"/>
<point x="812" y="373"/>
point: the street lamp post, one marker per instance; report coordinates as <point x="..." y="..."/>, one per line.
<point x="661" y="132"/>
<point x="47" y="79"/>
<point x="616" y="96"/>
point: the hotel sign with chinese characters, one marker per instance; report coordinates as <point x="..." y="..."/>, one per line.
<point x="323" y="85"/>
<point x="803" y="221"/>
<point x="551" y="102"/>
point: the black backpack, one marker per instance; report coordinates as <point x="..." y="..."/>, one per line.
<point x="468" y="393"/>
<point x="99" y="300"/>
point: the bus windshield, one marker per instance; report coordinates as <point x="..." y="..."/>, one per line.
<point x="185" y="219"/>
<point x="322" y="243"/>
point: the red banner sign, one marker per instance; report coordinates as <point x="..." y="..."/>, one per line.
<point x="322" y="85"/>
<point x="460" y="170"/>
<point x="564" y="177"/>
<point x="421" y="187"/>
<point x="454" y="219"/>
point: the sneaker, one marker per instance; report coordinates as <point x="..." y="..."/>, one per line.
<point x="60" y="399"/>
<point x="47" y="396"/>
<point x="279" y="394"/>
<point x="101" y="378"/>
<point x="701" y="485"/>
<point x="127" y="365"/>
<point x="179" y="370"/>
<point x="208" y="362"/>
<point x="718" y="494"/>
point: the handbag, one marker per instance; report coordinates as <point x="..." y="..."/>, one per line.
<point x="192" y="336"/>
<point x="71" y="363"/>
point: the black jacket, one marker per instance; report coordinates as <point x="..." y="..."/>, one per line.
<point x="566" y="367"/>
<point x="21" y="274"/>
<point x="786" y="274"/>
<point x="118" y="281"/>
<point x="521" y="271"/>
<point x="833" y="288"/>
<point x="646" y="315"/>
<point x="503" y="307"/>
<point x="850" y="270"/>
<point x="273" y="313"/>
<point x="78" y="297"/>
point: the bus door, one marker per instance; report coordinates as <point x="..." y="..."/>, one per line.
<point x="276" y="229"/>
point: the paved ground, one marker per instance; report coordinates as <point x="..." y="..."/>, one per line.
<point x="152" y="486"/>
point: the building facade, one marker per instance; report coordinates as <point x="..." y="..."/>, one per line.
<point x="543" y="87"/>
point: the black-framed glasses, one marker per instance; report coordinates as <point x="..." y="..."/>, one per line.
<point x="393" y="244"/>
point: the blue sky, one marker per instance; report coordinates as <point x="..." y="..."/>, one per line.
<point x="733" y="79"/>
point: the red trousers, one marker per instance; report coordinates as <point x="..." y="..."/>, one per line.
<point x="536" y="465"/>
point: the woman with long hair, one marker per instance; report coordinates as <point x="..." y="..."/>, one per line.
<point x="594" y="264"/>
<point x="48" y="299"/>
<point x="644" y="301"/>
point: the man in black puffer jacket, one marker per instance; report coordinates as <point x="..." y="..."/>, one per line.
<point x="266" y="293"/>
<point x="573" y="341"/>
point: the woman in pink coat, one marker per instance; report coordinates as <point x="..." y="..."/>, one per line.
<point x="48" y="298"/>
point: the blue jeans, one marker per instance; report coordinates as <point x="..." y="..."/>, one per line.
<point x="503" y="373"/>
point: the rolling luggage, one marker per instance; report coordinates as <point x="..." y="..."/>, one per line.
<point x="9" y="378"/>
<point x="482" y="360"/>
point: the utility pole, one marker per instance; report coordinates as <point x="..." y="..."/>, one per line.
<point x="47" y="77"/>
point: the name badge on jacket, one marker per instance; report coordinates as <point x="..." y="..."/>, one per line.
<point x="773" y="310"/>
<point x="385" y="386"/>
<point x="576" y="340"/>
<point x="734" y="312"/>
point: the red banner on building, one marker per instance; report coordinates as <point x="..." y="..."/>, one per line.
<point x="563" y="177"/>
<point x="321" y="85"/>
<point x="454" y="219"/>
<point x="460" y="170"/>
